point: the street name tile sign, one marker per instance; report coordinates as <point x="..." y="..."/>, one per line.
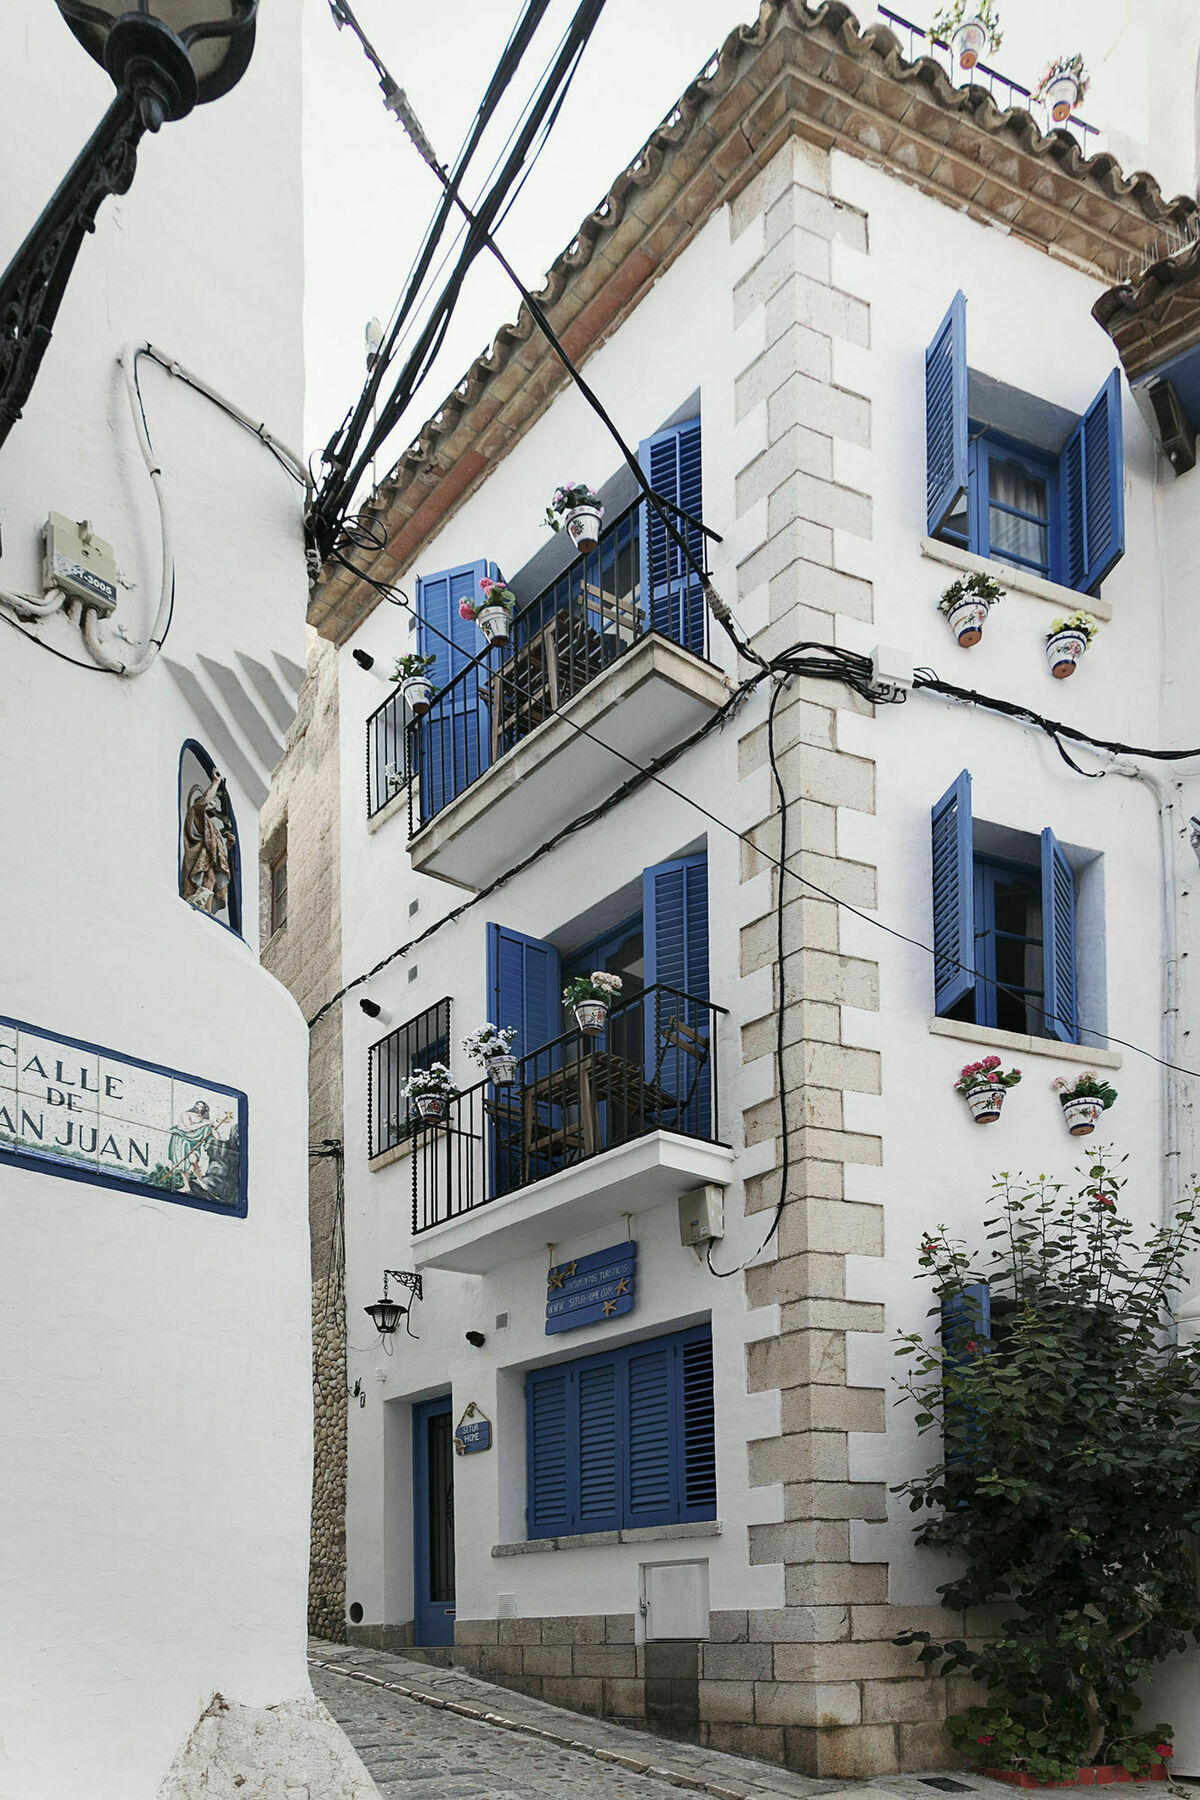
<point x="78" y="1110"/>
<point x="599" y="1286"/>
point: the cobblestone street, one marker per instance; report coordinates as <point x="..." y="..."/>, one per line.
<point x="464" y="1737"/>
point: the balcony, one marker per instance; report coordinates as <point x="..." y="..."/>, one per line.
<point x="609" y="658"/>
<point x="591" y="1129"/>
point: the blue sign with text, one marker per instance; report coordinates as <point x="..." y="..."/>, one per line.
<point x="599" y="1286"/>
<point x="473" y="1432"/>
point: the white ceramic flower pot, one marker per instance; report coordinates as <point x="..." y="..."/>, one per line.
<point x="502" y="1069"/>
<point x="494" y="622"/>
<point x="968" y="42"/>
<point x="967" y="621"/>
<point x="1063" y="651"/>
<point x="985" y="1102"/>
<point x="1062" y="97"/>
<point x="432" y="1106"/>
<point x="418" y="694"/>
<point x="1082" y="1114"/>
<point x="583" y="525"/>
<point x="591" y="1016"/>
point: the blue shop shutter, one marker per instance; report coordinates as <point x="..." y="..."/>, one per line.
<point x="453" y="739"/>
<point x="600" y="1460"/>
<point x="653" y="1437"/>
<point x="552" y="1479"/>
<point x="671" y="594"/>
<point x="699" y="1425"/>
<point x="1092" y="489"/>
<point x="1058" y="941"/>
<point x="966" y="1318"/>
<point x="524" y="987"/>
<point x="953" y="896"/>
<point x="946" y="416"/>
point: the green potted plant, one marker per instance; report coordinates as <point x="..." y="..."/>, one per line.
<point x="430" y="1090"/>
<point x="1066" y="641"/>
<point x="1083" y="1100"/>
<point x="1062" y="87"/>
<point x="966" y="604"/>
<point x="412" y="672"/>
<point x="1066" y="1482"/>
<point x="970" y="27"/>
<point x="983" y="1086"/>
<point x="491" y="1047"/>
<point x="494" y="612"/>
<point x="577" y="506"/>
<point x="591" y="996"/>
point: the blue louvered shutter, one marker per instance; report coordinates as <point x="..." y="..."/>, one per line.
<point x="966" y="1319"/>
<point x="699" y="1495"/>
<point x="454" y="739"/>
<point x="953" y="896"/>
<point x="946" y="416"/>
<point x="671" y="594"/>
<point x="675" y="929"/>
<point x="523" y="987"/>
<point x="653" y="1437"/>
<point x="600" y="1470"/>
<point x="1058" y="942"/>
<point x="550" y="1506"/>
<point x="1092" y="492"/>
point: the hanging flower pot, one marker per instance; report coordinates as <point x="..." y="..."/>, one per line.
<point x="983" y="1086"/>
<point x="418" y="694"/>
<point x="966" y="604"/>
<point x="970" y="27"/>
<point x="493" y="614"/>
<point x="583" y="526"/>
<point x="1083" y="1101"/>
<point x="1062" y="87"/>
<point x="968" y="42"/>
<point x="494" y="622"/>
<point x="491" y="1047"/>
<point x="431" y="1106"/>
<point x="430" y="1090"/>
<point x="591" y="996"/>
<point x="502" y="1069"/>
<point x="592" y="1017"/>
<point x="1062" y="97"/>
<point x="577" y="506"/>
<point x="1066" y="642"/>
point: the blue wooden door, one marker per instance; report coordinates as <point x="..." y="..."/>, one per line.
<point x="433" y="1522"/>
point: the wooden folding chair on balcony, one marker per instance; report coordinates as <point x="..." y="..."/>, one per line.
<point x="685" y="1040"/>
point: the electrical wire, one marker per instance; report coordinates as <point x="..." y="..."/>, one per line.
<point x="89" y="668"/>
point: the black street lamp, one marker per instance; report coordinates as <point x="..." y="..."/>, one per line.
<point x="386" y="1313"/>
<point x="165" y="57"/>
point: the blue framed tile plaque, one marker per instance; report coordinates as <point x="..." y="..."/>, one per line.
<point x="599" y="1286"/>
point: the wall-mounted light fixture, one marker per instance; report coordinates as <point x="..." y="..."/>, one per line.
<point x="164" y="57"/>
<point x="373" y="1010"/>
<point x="476" y="1339"/>
<point x="386" y="1313"/>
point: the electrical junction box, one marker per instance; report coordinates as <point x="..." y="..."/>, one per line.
<point x="891" y="670"/>
<point x="702" y="1215"/>
<point x="80" y="563"/>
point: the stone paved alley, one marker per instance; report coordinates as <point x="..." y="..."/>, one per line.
<point x="429" y="1733"/>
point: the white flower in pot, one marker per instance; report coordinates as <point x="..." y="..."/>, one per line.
<point x="577" y="506"/>
<point x="591" y="996"/>
<point x="1066" y="641"/>
<point x="431" y="1090"/>
<point x="1083" y="1099"/>
<point x="970" y="27"/>
<point x="966" y="604"/>
<point x="412" y="672"/>
<point x="983" y="1086"/>
<point x="1062" y="87"/>
<point x="491" y="1047"/>
<point x="494" y="612"/>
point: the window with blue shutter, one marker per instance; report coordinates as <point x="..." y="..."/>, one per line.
<point x="454" y="738"/>
<point x="624" y="1438"/>
<point x="671" y="592"/>
<point x="1004" y="937"/>
<point x="675" y="923"/>
<point x="1054" y="508"/>
<point x="523" y="987"/>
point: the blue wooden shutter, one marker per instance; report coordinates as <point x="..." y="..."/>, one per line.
<point x="524" y="987"/>
<point x="600" y="1476"/>
<point x="1058" y="941"/>
<point x="671" y="594"/>
<point x="552" y="1476"/>
<point x="675" y="929"/>
<point x="946" y="416"/>
<point x="966" y="1318"/>
<point x="953" y="896"/>
<point x="454" y="739"/>
<point x="698" y="1425"/>
<point x="1092" y="492"/>
<point x="653" y="1446"/>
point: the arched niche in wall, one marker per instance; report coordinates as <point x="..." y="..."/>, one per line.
<point x="210" y="870"/>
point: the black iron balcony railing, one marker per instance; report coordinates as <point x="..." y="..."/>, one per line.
<point x="654" y="1069"/>
<point x="633" y="582"/>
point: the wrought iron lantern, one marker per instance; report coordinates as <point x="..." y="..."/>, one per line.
<point x="386" y="1313"/>
<point x="165" y="57"/>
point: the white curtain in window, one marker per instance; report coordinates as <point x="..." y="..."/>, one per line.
<point x="1010" y="536"/>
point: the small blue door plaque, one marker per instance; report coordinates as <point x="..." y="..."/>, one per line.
<point x="472" y="1433"/>
<point x="599" y="1286"/>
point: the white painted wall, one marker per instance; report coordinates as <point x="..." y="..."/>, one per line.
<point x="156" y="1401"/>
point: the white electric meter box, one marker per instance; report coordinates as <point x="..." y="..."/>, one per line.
<point x="674" y="1600"/>
<point x="702" y="1214"/>
<point x="78" y="562"/>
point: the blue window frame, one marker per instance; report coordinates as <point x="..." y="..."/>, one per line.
<point x="1058" y="514"/>
<point x="1003" y="932"/>
<point x="624" y="1438"/>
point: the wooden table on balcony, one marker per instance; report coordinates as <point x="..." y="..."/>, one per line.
<point x="556" y="661"/>
<point x="584" y="1083"/>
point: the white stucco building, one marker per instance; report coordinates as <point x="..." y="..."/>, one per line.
<point x="766" y="302"/>
<point x="153" y="1124"/>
